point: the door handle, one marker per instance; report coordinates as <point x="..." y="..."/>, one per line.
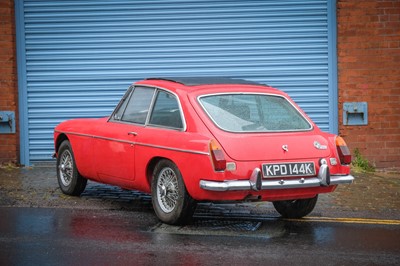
<point x="132" y="133"/>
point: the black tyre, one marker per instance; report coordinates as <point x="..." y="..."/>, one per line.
<point x="69" y="179"/>
<point x="295" y="208"/>
<point x="171" y="202"/>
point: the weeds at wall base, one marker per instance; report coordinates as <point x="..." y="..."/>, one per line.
<point x="360" y="164"/>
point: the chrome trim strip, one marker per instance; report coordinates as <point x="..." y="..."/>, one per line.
<point x="116" y="140"/>
<point x="74" y="133"/>
<point x="172" y="149"/>
<point x="236" y="185"/>
<point x="96" y="137"/>
<point x="136" y="143"/>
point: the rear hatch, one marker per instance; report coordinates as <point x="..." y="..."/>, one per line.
<point x="270" y="147"/>
<point x="259" y="124"/>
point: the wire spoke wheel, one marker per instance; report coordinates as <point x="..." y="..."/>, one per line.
<point x="171" y="201"/>
<point x="167" y="190"/>
<point x="65" y="168"/>
<point x="69" y="179"/>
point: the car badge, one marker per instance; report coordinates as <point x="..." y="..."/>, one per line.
<point x="319" y="146"/>
<point x="285" y="148"/>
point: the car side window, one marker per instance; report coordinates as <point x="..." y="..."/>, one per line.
<point x="166" y="111"/>
<point x="138" y="106"/>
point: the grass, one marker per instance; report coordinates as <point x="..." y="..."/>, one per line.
<point x="361" y="164"/>
<point x="8" y="166"/>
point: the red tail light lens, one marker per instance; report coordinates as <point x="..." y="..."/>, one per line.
<point x="343" y="151"/>
<point x="217" y="156"/>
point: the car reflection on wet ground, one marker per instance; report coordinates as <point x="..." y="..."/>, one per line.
<point x="357" y="224"/>
<point x="42" y="236"/>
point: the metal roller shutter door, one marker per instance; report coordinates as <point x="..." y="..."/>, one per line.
<point x="78" y="57"/>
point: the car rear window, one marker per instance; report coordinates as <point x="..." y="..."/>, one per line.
<point x="253" y="113"/>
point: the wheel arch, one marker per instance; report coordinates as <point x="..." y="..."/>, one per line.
<point x="150" y="168"/>
<point x="152" y="164"/>
<point x="174" y="210"/>
<point x="60" y="140"/>
<point x="71" y="182"/>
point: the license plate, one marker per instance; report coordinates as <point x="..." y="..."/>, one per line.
<point x="271" y="170"/>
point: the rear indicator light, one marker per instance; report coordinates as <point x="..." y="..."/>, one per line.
<point x="217" y="156"/>
<point x="343" y="151"/>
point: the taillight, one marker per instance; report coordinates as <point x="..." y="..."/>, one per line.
<point x="343" y="151"/>
<point x="217" y="156"/>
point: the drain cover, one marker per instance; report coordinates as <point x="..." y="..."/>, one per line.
<point x="235" y="226"/>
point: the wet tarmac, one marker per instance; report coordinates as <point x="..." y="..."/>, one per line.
<point x="357" y="224"/>
<point x="42" y="236"/>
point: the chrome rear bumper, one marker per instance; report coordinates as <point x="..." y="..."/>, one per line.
<point x="255" y="182"/>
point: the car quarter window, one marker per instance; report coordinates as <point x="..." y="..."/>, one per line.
<point x="166" y="111"/>
<point x="137" y="106"/>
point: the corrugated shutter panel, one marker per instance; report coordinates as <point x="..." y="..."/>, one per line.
<point x="82" y="55"/>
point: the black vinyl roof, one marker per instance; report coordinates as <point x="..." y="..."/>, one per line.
<point x="195" y="81"/>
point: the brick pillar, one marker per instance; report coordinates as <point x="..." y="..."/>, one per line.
<point x="369" y="71"/>
<point x="9" y="143"/>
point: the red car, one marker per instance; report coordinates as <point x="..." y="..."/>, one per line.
<point x="186" y="140"/>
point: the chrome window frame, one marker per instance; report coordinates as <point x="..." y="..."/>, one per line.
<point x="151" y="107"/>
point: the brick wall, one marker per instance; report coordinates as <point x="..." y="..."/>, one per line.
<point x="9" y="143"/>
<point x="369" y="70"/>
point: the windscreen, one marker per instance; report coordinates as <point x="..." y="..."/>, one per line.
<point x="253" y="113"/>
